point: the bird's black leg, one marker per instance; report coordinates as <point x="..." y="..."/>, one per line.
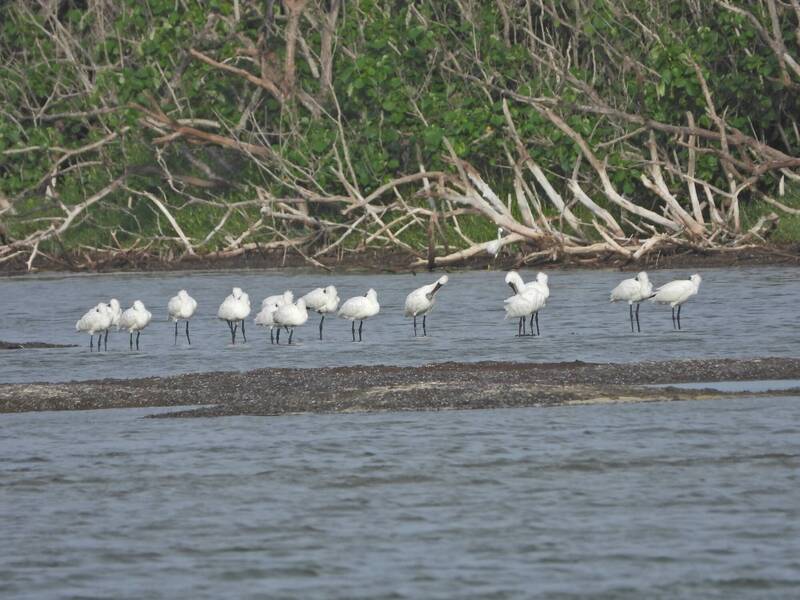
<point x="321" y="321"/>
<point x="105" y="340"/>
<point x="291" y="333"/>
<point x="91" y="342"/>
<point x="424" y="331"/>
<point x="188" y="339"/>
<point x="278" y="336"/>
<point x="130" y="340"/>
<point x="243" y="333"/>
<point x="233" y="333"/>
<point x="638" y="327"/>
<point x="673" y="317"/>
<point x="530" y="324"/>
<point x="415" y="325"/>
<point x="630" y="310"/>
<point x="520" y="326"/>
<point x="354" y="330"/>
<point x="536" y="314"/>
<point x="360" y="325"/>
<point x="679" y="316"/>
<point x="176" y="333"/>
<point x="137" y="339"/>
<point x="271" y="336"/>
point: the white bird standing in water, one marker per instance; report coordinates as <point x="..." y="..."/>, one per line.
<point x="135" y="319"/>
<point x="540" y="286"/>
<point x="526" y="301"/>
<point x="97" y="320"/>
<point x="360" y="308"/>
<point x="235" y="308"/>
<point x="675" y="293"/>
<point x="633" y="291"/>
<point x="181" y="307"/>
<point x="290" y="316"/>
<point x="324" y="301"/>
<point x="115" y="312"/>
<point x="265" y="317"/>
<point x="420" y="302"/>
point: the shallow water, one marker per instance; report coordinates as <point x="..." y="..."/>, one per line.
<point x="674" y="500"/>
<point x="740" y="312"/>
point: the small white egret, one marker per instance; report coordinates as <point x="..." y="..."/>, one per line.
<point x="290" y="316"/>
<point x="268" y="307"/>
<point x="235" y="308"/>
<point x="675" y="293"/>
<point x="633" y="291"/>
<point x="324" y="301"/>
<point x="97" y="320"/>
<point x="420" y="302"/>
<point x="135" y="319"/>
<point x="493" y="247"/>
<point x="360" y="308"/>
<point x="181" y="307"/>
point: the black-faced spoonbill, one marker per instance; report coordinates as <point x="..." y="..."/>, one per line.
<point x="290" y="316"/>
<point x="235" y="308"/>
<point x="115" y="310"/>
<point x="181" y="308"/>
<point x="675" y="293"/>
<point x="265" y="317"/>
<point x="135" y="319"/>
<point x="420" y="302"/>
<point x="324" y="301"/>
<point x="525" y="302"/>
<point x="360" y="308"/>
<point x="96" y="320"/>
<point x="540" y="286"/>
<point x="633" y="291"/>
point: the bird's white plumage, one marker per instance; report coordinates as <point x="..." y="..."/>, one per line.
<point x="291" y="315"/>
<point x="523" y="303"/>
<point x="116" y="312"/>
<point x="359" y="308"/>
<point x="95" y="320"/>
<point x="493" y="247"/>
<point x="181" y="306"/>
<point x="677" y="292"/>
<point x="236" y="307"/>
<point x="136" y="318"/>
<point x="322" y="300"/>
<point x="268" y="307"/>
<point x="420" y="302"/>
<point x="633" y="290"/>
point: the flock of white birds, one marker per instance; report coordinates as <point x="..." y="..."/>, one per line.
<point x="283" y="312"/>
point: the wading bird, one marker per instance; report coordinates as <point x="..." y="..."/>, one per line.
<point x="97" y="320"/>
<point x="633" y="291"/>
<point x="526" y="301"/>
<point x="181" y="307"/>
<point x="420" y="302"/>
<point x="268" y="307"/>
<point x="234" y="309"/>
<point x="675" y="293"/>
<point x="540" y="286"/>
<point x="290" y="316"/>
<point x="135" y="319"/>
<point x="324" y="301"/>
<point x="359" y="309"/>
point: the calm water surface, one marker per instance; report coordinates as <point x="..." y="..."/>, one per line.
<point x="738" y="313"/>
<point x="677" y="500"/>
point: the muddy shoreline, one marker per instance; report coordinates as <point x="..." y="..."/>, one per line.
<point x="397" y="261"/>
<point x="443" y="386"/>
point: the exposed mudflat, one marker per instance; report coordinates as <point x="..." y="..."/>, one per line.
<point x="28" y="345"/>
<point x="386" y="388"/>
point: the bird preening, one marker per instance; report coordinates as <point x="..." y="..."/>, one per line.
<point x="281" y="311"/>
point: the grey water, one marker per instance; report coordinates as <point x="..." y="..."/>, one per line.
<point x="664" y="500"/>
<point x="739" y="312"/>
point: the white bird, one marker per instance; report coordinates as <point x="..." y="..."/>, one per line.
<point x="420" y="302"/>
<point x="235" y="308"/>
<point x="527" y="301"/>
<point x="360" y="308"/>
<point x="135" y="319"/>
<point x="97" y="320"/>
<point x="633" y="291"/>
<point x="181" y="307"/>
<point x="115" y="312"/>
<point x="324" y="301"/>
<point x="268" y="307"/>
<point x="540" y="286"/>
<point x="675" y="293"/>
<point x="290" y="316"/>
<point x="493" y="247"/>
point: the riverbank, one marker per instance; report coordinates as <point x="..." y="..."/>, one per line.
<point x="392" y="260"/>
<point x="445" y="386"/>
